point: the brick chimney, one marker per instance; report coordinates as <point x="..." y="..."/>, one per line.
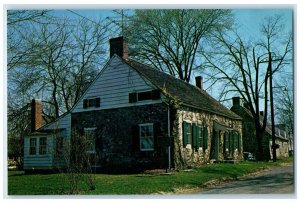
<point x="118" y="46"/>
<point x="36" y="114"/>
<point x="199" y="82"/>
<point x="236" y="101"/>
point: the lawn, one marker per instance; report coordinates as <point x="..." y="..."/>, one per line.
<point x="56" y="184"/>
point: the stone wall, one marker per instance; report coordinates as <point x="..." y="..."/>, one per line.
<point x="116" y="143"/>
<point x="250" y="140"/>
<point x="186" y="155"/>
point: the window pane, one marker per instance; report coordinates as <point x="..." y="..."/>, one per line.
<point x="43" y="145"/>
<point x="146" y="137"/>
<point x="92" y="102"/>
<point x="32" y="146"/>
<point x="144" y="96"/>
<point x="90" y="139"/>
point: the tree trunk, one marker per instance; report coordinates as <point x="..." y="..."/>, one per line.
<point x="259" y="135"/>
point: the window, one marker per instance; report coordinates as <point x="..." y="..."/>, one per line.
<point x="43" y="145"/>
<point x="142" y="96"/>
<point x="146" y="137"/>
<point x="94" y="102"/>
<point x="32" y="146"/>
<point x="187" y="133"/>
<point x="90" y="136"/>
<point x="231" y="141"/>
<point x="236" y="141"/>
<point x="201" y="139"/>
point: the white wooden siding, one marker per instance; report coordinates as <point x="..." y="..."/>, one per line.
<point x="113" y="85"/>
<point x="62" y="122"/>
<point x="37" y="161"/>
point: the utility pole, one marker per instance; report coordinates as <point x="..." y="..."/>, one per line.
<point x="272" y="108"/>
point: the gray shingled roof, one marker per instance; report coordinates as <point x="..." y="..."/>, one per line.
<point x="185" y="92"/>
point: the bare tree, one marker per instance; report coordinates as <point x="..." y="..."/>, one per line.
<point x="284" y="94"/>
<point x="63" y="59"/>
<point x="18" y="127"/>
<point x="243" y="68"/>
<point x="79" y="157"/>
<point x="50" y="58"/>
<point x="170" y="39"/>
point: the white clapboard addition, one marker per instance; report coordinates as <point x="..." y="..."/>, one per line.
<point x="38" y="161"/>
<point x="48" y="160"/>
<point x="113" y="85"/>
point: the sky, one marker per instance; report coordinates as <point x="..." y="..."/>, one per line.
<point x="248" y="20"/>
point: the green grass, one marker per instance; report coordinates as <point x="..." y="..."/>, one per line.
<point x="55" y="184"/>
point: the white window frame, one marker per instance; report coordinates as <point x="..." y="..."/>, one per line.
<point x="36" y="148"/>
<point x="46" y="146"/>
<point x="94" y="140"/>
<point x="140" y="135"/>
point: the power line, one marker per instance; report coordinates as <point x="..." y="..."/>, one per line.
<point x="97" y="23"/>
<point x="82" y="16"/>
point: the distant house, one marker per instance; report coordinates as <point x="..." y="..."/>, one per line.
<point x="139" y="117"/>
<point x="249" y="136"/>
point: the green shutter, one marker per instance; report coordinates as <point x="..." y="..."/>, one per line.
<point x="132" y="97"/>
<point x="184" y="133"/>
<point x="135" y="138"/>
<point x="195" y="136"/>
<point x="85" y="103"/>
<point x="236" y="140"/>
<point x="97" y="102"/>
<point x="205" y="137"/>
<point x="239" y="141"/>
<point x="157" y="133"/>
<point x="226" y="138"/>
<point x="231" y="141"/>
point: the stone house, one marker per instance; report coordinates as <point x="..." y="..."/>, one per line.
<point x="249" y="136"/>
<point x="138" y="117"/>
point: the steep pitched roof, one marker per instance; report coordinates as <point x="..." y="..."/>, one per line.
<point x="188" y="94"/>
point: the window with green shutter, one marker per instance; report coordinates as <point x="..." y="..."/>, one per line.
<point x="94" y="102"/>
<point x="200" y="130"/>
<point x="187" y="133"/>
<point x="195" y="137"/>
<point x="235" y="141"/>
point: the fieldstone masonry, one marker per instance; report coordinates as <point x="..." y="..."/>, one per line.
<point x="117" y="136"/>
<point x="191" y="157"/>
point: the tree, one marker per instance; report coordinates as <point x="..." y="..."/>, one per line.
<point x="59" y="61"/>
<point x="244" y="68"/>
<point x="51" y="58"/>
<point x="170" y="39"/>
<point x="76" y="163"/>
<point x="16" y="21"/>
<point x="285" y="104"/>
<point x="18" y="126"/>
